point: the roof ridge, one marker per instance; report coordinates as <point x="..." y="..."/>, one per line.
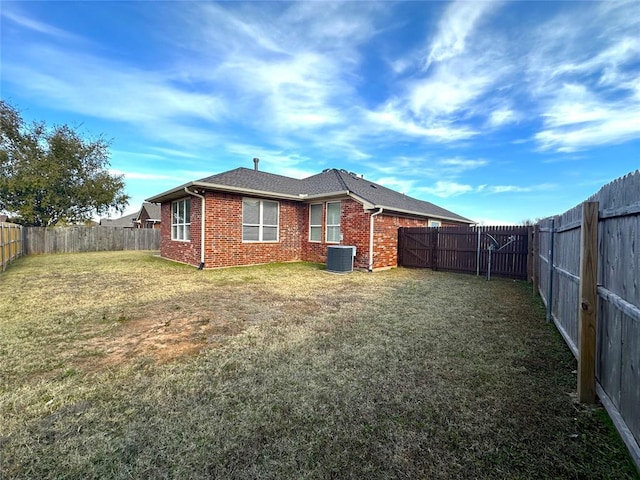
<point x="340" y="179"/>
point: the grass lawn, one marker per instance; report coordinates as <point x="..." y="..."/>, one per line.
<point x="123" y="365"/>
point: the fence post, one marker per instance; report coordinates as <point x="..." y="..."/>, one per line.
<point x="550" y="286"/>
<point x="478" y="252"/>
<point x="535" y="246"/>
<point x="588" y="303"/>
<point x="2" y="245"/>
<point x="434" y="249"/>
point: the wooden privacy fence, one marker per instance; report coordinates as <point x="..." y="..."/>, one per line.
<point x="588" y="274"/>
<point x="10" y="243"/>
<point x="466" y="249"/>
<point x="88" y="239"/>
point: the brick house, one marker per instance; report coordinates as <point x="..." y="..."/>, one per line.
<point x="148" y="216"/>
<point x="252" y="217"/>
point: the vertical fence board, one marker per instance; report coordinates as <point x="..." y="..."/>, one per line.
<point x="617" y="364"/>
<point x="609" y="350"/>
<point x="588" y="303"/>
<point x="455" y="249"/>
<point x="79" y="238"/>
<point x="11" y="244"/>
<point x="629" y="382"/>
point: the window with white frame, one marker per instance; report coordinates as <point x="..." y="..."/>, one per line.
<point x="315" y="222"/>
<point x="259" y="220"/>
<point x="333" y="222"/>
<point x="181" y="220"/>
<point x="434" y="223"/>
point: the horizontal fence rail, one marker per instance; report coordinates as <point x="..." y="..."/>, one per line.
<point x="10" y="243"/>
<point x="466" y="249"/>
<point x="617" y="342"/>
<point x="80" y="238"/>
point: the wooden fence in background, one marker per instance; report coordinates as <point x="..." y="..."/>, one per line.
<point x="75" y="239"/>
<point x="10" y="243"/>
<point x="616" y="352"/>
<point x="466" y="249"/>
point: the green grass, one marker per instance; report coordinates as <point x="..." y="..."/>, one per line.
<point x="122" y="365"/>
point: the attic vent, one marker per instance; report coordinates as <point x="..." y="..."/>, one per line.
<point x="326" y="170"/>
<point x="373" y="186"/>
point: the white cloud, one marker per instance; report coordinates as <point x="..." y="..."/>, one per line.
<point x="585" y="79"/>
<point x="37" y="26"/>
<point x="457" y="24"/>
<point x="517" y="188"/>
<point x="576" y="118"/>
<point x="92" y="86"/>
<point x="451" y="89"/>
<point x="501" y="117"/>
<point x="459" y="165"/>
<point x="395" y="118"/>
<point x="445" y="189"/>
<point x="395" y="183"/>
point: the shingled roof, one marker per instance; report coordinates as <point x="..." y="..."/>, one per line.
<point x="330" y="182"/>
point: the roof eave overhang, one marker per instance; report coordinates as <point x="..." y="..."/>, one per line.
<point x="320" y="196"/>
<point x="422" y="214"/>
<point x="178" y="192"/>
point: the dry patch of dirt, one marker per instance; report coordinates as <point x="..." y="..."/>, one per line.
<point x="145" y="337"/>
<point x="162" y="332"/>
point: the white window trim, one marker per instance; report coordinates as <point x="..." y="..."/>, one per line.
<point x="187" y="221"/>
<point x="434" y="223"/>
<point x="339" y="225"/>
<point x="319" y="225"/>
<point x="261" y="225"/>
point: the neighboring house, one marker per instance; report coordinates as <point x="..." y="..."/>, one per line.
<point x="253" y="217"/>
<point x="126" y="221"/>
<point x="147" y="217"/>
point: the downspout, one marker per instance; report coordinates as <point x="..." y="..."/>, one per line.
<point x="202" y="223"/>
<point x="371" y="237"/>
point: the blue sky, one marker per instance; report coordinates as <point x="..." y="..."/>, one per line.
<point x="498" y="111"/>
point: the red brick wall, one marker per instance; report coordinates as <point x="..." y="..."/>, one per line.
<point x="354" y="227"/>
<point x="186" y="252"/>
<point x="223" y="235"/>
<point x="385" y="233"/>
<point x="224" y="245"/>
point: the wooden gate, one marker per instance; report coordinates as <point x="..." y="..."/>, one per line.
<point x="466" y="249"/>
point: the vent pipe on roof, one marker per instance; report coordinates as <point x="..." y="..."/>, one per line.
<point x="255" y="164"/>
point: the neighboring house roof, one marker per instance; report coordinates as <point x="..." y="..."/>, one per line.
<point x="329" y="183"/>
<point x="153" y="214"/>
<point x="152" y="209"/>
<point x="126" y="221"/>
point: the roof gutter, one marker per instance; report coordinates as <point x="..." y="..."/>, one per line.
<point x="202" y="224"/>
<point x="371" y="219"/>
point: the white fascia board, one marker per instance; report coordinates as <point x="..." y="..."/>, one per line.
<point x="247" y="191"/>
<point x="170" y="194"/>
<point x="421" y="214"/>
<point x="318" y="196"/>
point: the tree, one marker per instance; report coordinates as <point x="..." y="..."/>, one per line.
<point x="48" y="175"/>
